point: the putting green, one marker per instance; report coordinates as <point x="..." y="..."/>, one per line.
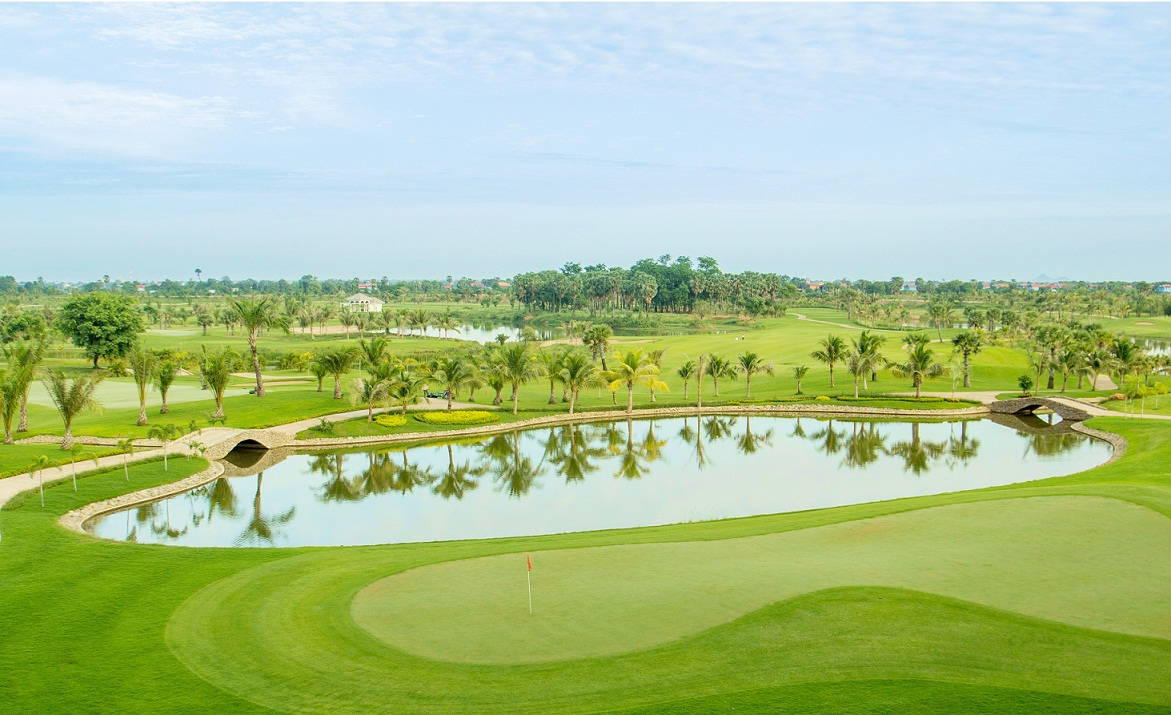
<point x="1071" y="559"/>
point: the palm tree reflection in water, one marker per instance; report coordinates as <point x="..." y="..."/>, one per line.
<point x="514" y="462"/>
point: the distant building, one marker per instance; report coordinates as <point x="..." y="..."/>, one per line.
<point x="502" y="284"/>
<point x="362" y="303"/>
<point x="368" y="285"/>
<point x="815" y="285"/>
<point x="140" y="288"/>
<point x="1163" y="288"/>
<point x="911" y="287"/>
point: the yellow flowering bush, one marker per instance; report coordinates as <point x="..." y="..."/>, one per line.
<point x="459" y="417"/>
<point x="391" y="420"/>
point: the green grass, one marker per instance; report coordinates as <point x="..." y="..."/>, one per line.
<point x="102" y="625"/>
<point x="19" y="458"/>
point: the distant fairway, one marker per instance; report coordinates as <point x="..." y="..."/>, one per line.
<point x="1058" y="558"/>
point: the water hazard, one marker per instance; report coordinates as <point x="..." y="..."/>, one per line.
<point x="597" y="476"/>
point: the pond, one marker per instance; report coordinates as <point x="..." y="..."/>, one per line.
<point x="484" y="333"/>
<point x="599" y="476"/>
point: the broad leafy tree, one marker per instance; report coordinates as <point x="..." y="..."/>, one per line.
<point x="105" y="326"/>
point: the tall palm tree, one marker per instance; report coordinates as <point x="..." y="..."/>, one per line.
<point x="369" y="391"/>
<point x="799" y="373"/>
<point x="165" y="434"/>
<point x="870" y="344"/>
<point x="719" y="368"/>
<point x="920" y="365"/>
<point x="631" y="368"/>
<point x="373" y="351"/>
<point x="551" y="360"/>
<point x="319" y="371"/>
<point x="685" y="372"/>
<point x="23" y="358"/>
<point x="142" y="367"/>
<point x="71" y="397"/>
<point x="165" y="375"/>
<point x="752" y="364"/>
<point x="577" y="373"/>
<point x="257" y="314"/>
<point x="518" y="366"/>
<point x="216" y="368"/>
<point x="656" y="358"/>
<point x="941" y="316"/>
<point x="125" y="447"/>
<point x="596" y="338"/>
<point x="701" y="364"/>
<point x="404" y="386"/>
<point x="832" y="350"/>
<point x="337" y="362"/>
<point x="967" y="344"/>
<point x="454" y="374"/>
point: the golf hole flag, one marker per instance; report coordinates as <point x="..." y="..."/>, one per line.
<point x="529" y="578"/>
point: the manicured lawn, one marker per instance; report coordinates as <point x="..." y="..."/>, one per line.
<point x="18" y="458"/>
<point x="977" y="607"/>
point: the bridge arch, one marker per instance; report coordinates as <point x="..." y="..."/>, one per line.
<point x="1029" y="405"/>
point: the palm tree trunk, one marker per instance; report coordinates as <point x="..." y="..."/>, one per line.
<point x="515" y="399"/>
<point x="572" y="400"/>
<point x="449" y="400"/>
<point x="747" y="386"/>
<point x="256" y="363"/>
<point x="165" y="408"/>
<point x="831" y="375"/>
<point x="22" y="423"/>
<point x="67" y="438"/>
<point x="629" y="398"/>
<point x="552" y="391"/>
<point x="855" y="386"/>
<point x="967" y="372"/>
<point x="141" y="407"/>
<point x="337" y="387"/>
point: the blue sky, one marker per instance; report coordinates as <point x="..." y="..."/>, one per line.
<point x="835" y="140"/>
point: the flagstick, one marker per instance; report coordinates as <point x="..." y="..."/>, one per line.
<point x="529" y="577"/>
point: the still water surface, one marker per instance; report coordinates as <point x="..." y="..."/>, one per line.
<point x="598" y="476"/>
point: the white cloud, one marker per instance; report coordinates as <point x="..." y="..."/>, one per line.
<point x="108" y="118"/>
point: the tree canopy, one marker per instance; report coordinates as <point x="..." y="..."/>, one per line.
<point x="105" y="326"/>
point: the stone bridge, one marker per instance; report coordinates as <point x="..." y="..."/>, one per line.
<point x="1067" y="409"/>
<point x="249" y="438"/>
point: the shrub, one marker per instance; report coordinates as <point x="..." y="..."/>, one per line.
<point x="1117" y="396"/>
<point x="460" y="417"/>
<point x="391" y="420"/>
<point x="324" y="426"/>
<point x="823" y="398"/>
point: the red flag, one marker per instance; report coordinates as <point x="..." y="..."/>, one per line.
<point x="529" y="561"/>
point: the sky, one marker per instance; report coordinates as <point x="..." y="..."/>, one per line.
<point x="816" y="140"/>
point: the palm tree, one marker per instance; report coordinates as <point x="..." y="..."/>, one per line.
<point x="373" y="351"/>
<point x="345" y="316"/>
<point x="859" y="366"/>
<point x="596" y="338"/>
<point x="920" y="365"/>
<point x="869" y="344"/>
<point x="551" y="362"/>
<point x="257" y="314"/>
<point x="76" y="453"/>
<point x="142" y="367"/>
<point x="38" y="467"/>
<point x="799" y="373"/>
<point x="23" y="358"/>
<point x="216" y="368"/>
<point x="125" y="447"/>
<point x="10" y="392"/>
<point x="404" y="387"/>
<point x="447" y="322"/>
<point x="369" y="391"/>
<point x="337" y="362"/>
<point x="631" y="368"/>
<point x="164" y="433"/>
<point x="577" y="373"/>
<point x="165" y="375"/>
<point x="685" y="372"/>
<point x="967" y="344"/>
<point x="319" y="371"/>
<point x="941" y="316"/>
<point x="718" y="368"/>
<point x="701" y="363"/>
<point x="454" y="374"/>
<point x="751" y="364"/>
<point x="833" y="349"/>
<point x="71" y="397"/>
<point x="518" y="367"/>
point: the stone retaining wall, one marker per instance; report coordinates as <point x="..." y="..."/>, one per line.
<point x="76" y="519"/>
<point x="1116" y="441"/>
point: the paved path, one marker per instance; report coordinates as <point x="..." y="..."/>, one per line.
<point x="206" y="438"/>
<point x="801" y="316"/>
